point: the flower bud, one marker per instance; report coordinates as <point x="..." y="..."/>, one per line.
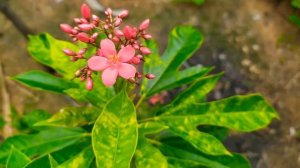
<point x="108" y="12"/>
<point x="138" y="75"/>
<point x="95" y="35"/>
<point x="145" y="50"/>
<point x="74" y="32"/>
<point x="66" y="28"/>
<point x="150" y="76"/>
<point x="95" y="18"/>
<point x="116" y="39"/>
<point x="136" y="60"/>
<point x="139" y="56"/>
<point x="118" y="22"/>
<point x="145" y="24"/>
<point x="83" y="37"/>
<point x="69" y="52"/>
<point x="82" y="51"/>
<point x="147" y="36"/>
<point x="78" y="73"/>
<point x="77" y="21"/>
<point x="136" y="46"/>
<point x="85" y="11"/>
<point x="86" y="27"/>
<point x="118" y="33"/>
<point x="89" y="83"/>
<point x="123" y="14"/>
<point x="129" y="32"/>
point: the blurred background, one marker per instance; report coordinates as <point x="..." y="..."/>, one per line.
<point x="255" y="42"/>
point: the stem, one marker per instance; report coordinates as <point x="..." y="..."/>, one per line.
<point x="147" y="119"/>
<point x="140" y="101"/>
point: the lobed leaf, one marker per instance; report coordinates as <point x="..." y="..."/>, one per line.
<point x="240" y="113"/>
<point x="114" y="135"/>
<point x="183" y="42"/>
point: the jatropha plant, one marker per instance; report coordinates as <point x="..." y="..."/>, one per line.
<point x="112" y="72"/>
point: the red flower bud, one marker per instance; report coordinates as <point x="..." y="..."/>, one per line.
<point x="129" y="32"/>
<point x="136" y="60"/>
<point x="116" y="39"/>
<point x="83" y="37"/>
<point x="77" y="20"/>
<point x="66" y="28"/>
<point x="69" y="52"/>
<point x="85" y="11"/>
<point x="145" y="24"/>
<point x="89" y="84"/>
<point x="86" y="27"/>
<point x="94" y="36"/>
<point x="118" y="33"/>
<point x="145" y="50"/>
<point x="118" y="22"/>
<point x="123" y="14"/>
<point x="138" y="75"/>
<point x="150" y="76"/>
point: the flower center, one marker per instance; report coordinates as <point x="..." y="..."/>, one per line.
<point x="114" y="58"/>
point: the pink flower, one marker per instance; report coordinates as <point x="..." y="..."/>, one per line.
<point x="113" y="64"/>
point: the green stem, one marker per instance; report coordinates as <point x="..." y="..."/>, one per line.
<point x="147" y="119"/>
<point x="140" y="101"/>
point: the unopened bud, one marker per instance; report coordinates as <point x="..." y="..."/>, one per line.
<point x="145" y="24"/>
<point x="108" y="12"/>
<point x="116" y="39"/>
<point x="136" y="46"/>
<point x="123" y="14"/>
<point x="86" y="27"/>
<point x="118" y="33"/>
<point x="85" y="11"/>
<point x="150" y="76"/>
<point x="147" y="36"/>
<point x="66" y="28"/>
<point x="118" y="22"/>
<point x="82" y="51"/>
<point x="83" y="20"/>
<point x="138" y="75"/>
<point x="95" y="35"/>
<point x="83" y="37"/>
<point x="69" y="52"/>
<point x="136" y="60"/>
<point x="74" y="32"/>
<point x="77" y="21"/>
<point x="145" y="50"/>
<point x="78" y="73"/>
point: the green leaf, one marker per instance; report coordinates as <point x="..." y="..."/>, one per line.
<point x="183" y="43"/>
<point x="72" y="117"/>
<point x="193" y="94"/>
<point x="176" y="148"/>
<point x="296" y="3"/>
<point x="47" y="50"/>
<point x="146" y="155"/>
<point x="81" y="160"/>
<point x="29" y="119"/>
<point x="114" y="135"/>
<point x="240" y="113"/>
<point x="44" y="81"/>
<point x="53" y="162"/>
<point x="43" y="142"/>
<point x="98" y="96"/>
<point x="17" y="159"/>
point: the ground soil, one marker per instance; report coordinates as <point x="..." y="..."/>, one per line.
<point x="253" y="41"/>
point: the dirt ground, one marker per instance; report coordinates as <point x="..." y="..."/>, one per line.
<point x="253" y="41"/>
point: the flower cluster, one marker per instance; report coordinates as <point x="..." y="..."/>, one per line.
<point x="118" y="51"/>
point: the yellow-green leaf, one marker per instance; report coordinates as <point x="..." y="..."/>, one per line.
<point x="114" y="135"/>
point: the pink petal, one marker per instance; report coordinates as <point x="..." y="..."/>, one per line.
<point x="126" y="54"/>
<point x="126" y="70"/>
<point x="108" y="48"/>
<point x="98" y="63"/>
<point x="109" y="76"/>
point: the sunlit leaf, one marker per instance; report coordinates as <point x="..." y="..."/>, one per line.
<point x="114" y="135"/>
<point x="146" y="155"/>
<point x="240" y="113"/>
<point x="81" y="160"/>
<point x="72" y="117"/>
<point x="40" y="143"/>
